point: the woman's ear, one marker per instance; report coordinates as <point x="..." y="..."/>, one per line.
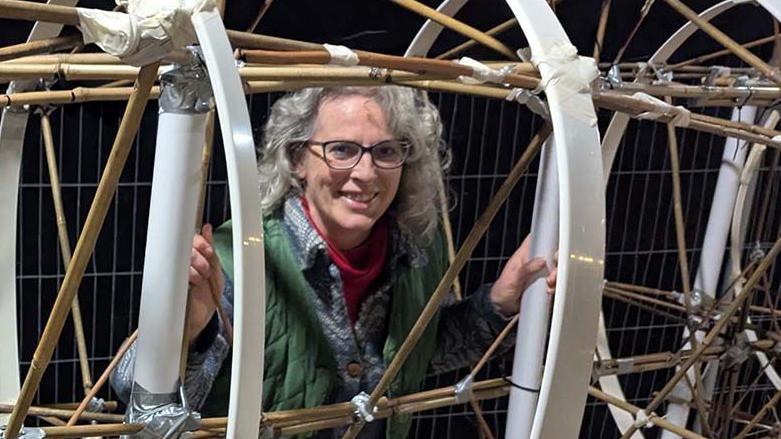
<point x="297" y="164"/>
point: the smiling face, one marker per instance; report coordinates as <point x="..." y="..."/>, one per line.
<point x="345" y="204"/>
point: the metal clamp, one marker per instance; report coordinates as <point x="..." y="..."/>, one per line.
<point x="464" y="389"/>
<point x="363" y="411"/>
<point x="739" y="351"/>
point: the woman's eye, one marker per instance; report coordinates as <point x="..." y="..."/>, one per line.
<point x="341" y="149"/>
<point x="386" y="151"/>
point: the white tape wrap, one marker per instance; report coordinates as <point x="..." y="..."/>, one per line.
<point x="532" y="101"/>
<point x="481" y="73"/>
<point x="642" y="419"/>
<point x="147" y="33"/>
<point x="680" y="115"/>
<point x="341" y="55"/>
<point x="574" y="74"/>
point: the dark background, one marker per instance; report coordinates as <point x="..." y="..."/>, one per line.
<point x="486" y="137"/>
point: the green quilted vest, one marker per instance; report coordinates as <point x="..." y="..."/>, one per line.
<point x="299" y="366"/>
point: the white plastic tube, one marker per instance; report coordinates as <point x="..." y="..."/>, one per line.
<point x="531" y="337"/>
<point x="249" y="277"/>
<point x="12" y="129"/>
<point x="175" y="188"/>
<point x="711" y="258"/>
<point x="573" y="325"/>
<point x="12" y="134"/>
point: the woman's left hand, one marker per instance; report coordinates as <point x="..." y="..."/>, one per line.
<point x="519" y="272"/>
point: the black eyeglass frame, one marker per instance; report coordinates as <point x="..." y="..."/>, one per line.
<point x="406" y="146"/>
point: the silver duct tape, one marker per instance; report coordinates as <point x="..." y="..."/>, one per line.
<point x="463" y="389"/>
<point x="185" y="89"/>
<point x="97" y="405"/>
<point x="161" y="414"/>
<point x="25" y="433"/>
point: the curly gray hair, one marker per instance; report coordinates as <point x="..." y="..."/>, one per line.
<point x="411" y="116"/>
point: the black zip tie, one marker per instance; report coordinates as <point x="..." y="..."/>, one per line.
<point x="517" y="386"/>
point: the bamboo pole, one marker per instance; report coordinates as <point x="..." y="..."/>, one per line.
<point x="643" y="13"/>
<point x="39" y="46"/>
<point x="709" y="56"/>
<point x="103" y="378"/>
<point x="261" y="13"/>
<point x="67" y="58"/>
<point x="64" y="414"/>
<point x="65" y="248"/>
<point x="32" y="11"/>
<point x="734" y="47"/>
<point x="480" y="419"/>
<point x="770" y="405"/>
<point x="601" y="29"/>
<point x="471" y="241"/>
<point x="633" y="409"/>
<point x="720" y="324"/>
<point x="457" y="26"/>
<point x="471" y="43"/>
<point x="110" y="406"/>
<point x="696" y="91"/>
<point x="78" y="431"/>
<point x="411" y="64"/>
<point x="680" y="230"/>
<point x="495" y="345"/>
<point x="448" y="230"/>
<point x="84" y="247"/>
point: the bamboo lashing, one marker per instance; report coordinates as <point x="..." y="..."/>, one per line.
<point x="84" y="247"/>
<point x="65" y="247"/>
<point x="469" y="244"/>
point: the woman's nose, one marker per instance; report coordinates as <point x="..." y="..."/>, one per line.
<point x="365" y="168"/>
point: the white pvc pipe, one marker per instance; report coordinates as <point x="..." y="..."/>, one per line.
<point x="12" y="129"/>
<point x="176" y="186"/>
<point x="711" y="258"/>
<point x="573" y="328"/>
<point x="531" y="337"/>
<point x="244" y="410"/>
<point x="12" y="134"/>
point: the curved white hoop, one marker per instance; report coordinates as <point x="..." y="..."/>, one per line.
<point x="561" y="391"/>
<point x="248" y="258"/>
<point x="568" y="364"/>
<point x="581" y="236"/>
<point x="12" y="128"/>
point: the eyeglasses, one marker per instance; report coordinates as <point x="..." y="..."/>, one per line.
<point x="344" y="154"/>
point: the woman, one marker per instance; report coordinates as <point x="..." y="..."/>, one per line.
<point x="349" y="180"/>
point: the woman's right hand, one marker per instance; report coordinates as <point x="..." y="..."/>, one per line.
<point x="206" y="283"/>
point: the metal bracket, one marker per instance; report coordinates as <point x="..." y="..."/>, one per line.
<point x="463" y="389"/>
<point x="363" y="412"/>
<point x="738" y="352"/>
